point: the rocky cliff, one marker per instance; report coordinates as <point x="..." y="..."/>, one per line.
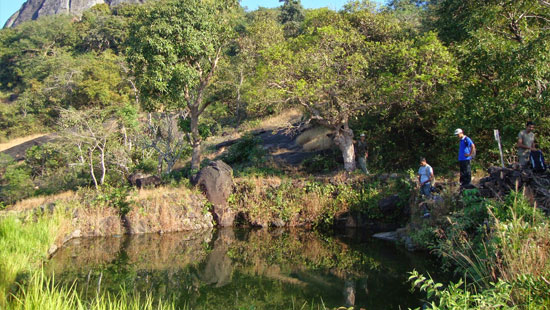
<point x="33" y="9"/>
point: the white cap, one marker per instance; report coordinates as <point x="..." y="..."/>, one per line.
<point x="457" y="131"/>
<point x="362" y="135"/>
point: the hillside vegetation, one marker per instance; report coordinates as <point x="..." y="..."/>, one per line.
<point x="154" y="88"/>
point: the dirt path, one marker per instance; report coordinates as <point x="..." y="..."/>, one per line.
<point x="18" y="147"/>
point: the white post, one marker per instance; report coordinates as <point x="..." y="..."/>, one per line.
<point x="497" y="137"/>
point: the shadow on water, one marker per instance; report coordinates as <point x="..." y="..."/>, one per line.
<point x="246" y="269"/>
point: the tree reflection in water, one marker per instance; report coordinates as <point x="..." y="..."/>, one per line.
<point x="244" y="268"/>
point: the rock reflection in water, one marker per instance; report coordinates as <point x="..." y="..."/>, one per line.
<point x="237" y="269"/>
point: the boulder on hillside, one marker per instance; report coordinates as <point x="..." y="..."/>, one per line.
<point x="216" y="182"/>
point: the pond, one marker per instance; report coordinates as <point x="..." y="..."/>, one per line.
<point x="246" y="269"/>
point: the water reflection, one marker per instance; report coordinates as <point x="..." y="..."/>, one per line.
<point x="245" y="269"/>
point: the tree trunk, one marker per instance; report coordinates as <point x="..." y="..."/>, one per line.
<point x="170" y="164"/>
<point x="102" y="162"/>
<point x="344" y="140"/>
<point x="195" y="140"/>
<point x="80" y="154"/>
<point x="239" y="86"/>
<point x="159" y="165"/>
<point x="91" y="157"/>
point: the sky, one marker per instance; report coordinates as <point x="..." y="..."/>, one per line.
<point x="8" y="7"/>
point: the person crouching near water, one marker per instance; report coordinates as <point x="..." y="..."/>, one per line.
<point x="425" y="178"/>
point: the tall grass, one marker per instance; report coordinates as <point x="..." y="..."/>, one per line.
<point x="42" y="293"/>
<point x="508" y="260"/>
<point x="23" y="245"/>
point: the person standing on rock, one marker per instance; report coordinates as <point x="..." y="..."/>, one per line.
<point x="425" y="178"/>
<point x="526" y="144"/>
<point x="362" y="153"/>
<point x="466" y="151"/>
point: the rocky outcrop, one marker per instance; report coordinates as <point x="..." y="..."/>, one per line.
<point x="33" y="9"/>
<point x="216" y="182"/>
<point x="400" y="235"/>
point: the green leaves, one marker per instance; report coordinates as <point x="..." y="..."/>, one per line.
<point x="172" y="48"/>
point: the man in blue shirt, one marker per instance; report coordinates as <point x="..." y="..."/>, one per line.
<point x="465" y="152"/>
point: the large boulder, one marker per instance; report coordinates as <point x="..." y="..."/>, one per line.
<point x="216" y="182"/>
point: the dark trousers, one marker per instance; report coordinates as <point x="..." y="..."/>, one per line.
<point x="465" y="172"/>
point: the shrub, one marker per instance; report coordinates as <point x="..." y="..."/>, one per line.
<point x="16" y="184"/>
<point x="107" y="195"/>
<point x="44" y="159"/>
<point x="502" y="247"/>
<point x="321" y="163"/>
<point x="246" y="151"/>
<point x="457" y="296"/>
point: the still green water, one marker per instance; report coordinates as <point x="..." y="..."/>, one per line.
<point x="246" y="269"/>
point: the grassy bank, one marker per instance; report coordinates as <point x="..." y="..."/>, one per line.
<point x="317" y="202"/>
<point x="24" y="243"/>
<point x="501" y="249"/>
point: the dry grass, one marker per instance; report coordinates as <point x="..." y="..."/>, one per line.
<point x="168" y="209"/>
<point x="282" y="120"/>
<point x="17" y="141"/>
<point x="31" y="203"/>
<point x="526" y="251"/>
<point x="159" y="193"/>
<point x="315" y="139"/>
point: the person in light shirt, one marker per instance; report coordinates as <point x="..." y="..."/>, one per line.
<point x="425" y="178"/>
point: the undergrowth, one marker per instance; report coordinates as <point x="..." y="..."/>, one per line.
<point x="316" y="202"/>
<point x="500" y="248"/>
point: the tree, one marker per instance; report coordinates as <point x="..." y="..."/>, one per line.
<point x="291" y="16"/>
<point x="323" y="70"/>
<point x="100" y="29"/>
<point x="503" y="51"/>
<point x="92" y="132"/>
<point x="174" y="49"/>
<point x="359" y="63"/>
<point x="163" y="134"/>
<point x="24" y="48"/>
<point x="241" y="81"/>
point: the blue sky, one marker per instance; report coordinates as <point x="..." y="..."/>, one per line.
<point x="8" y="7"/>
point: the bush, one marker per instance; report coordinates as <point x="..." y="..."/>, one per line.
<point x="315" y="202"/>
<point x="501" y="247"/>
<point x="107" y="195"/>
<point x="457" y="296"/>
<point x="16" y="184"/>
<point x="322" y="163"/>
<point x="44" y="159"/>
<point x="246" y="151"/>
